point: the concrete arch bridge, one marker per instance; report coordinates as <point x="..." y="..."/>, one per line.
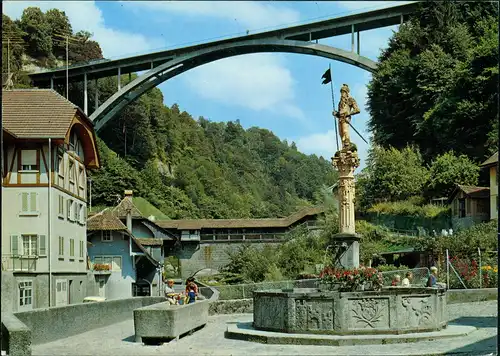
<point x="161" y="66"/>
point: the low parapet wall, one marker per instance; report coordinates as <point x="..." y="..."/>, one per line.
<point x="16" y="336"/>
<point x="49" y="324"/>
<point x="471" y="295"/>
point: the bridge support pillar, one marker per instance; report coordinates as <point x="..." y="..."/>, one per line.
<point x="52" y="83"/>
<point x="129" y="77"/>
<point x="352" y="38"/>
<point x="85" y="95"/>
<point x="96" y="105"/>
<point x="357" y="41"/>
<point x="119" y="78"/>
<point x="402" y="19"/>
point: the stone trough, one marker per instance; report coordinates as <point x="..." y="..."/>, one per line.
<point x="162" y="322"/>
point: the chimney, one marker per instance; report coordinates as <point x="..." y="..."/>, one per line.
<point x="128" y="194"/>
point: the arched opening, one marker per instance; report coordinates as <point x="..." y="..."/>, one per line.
<point x="132" y="91"/>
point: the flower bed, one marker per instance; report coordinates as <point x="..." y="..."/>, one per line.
<point x="468" y="270"/>
<point x="350" y="280"/>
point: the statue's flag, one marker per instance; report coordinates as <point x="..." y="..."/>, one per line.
<point x="327" y="77"/>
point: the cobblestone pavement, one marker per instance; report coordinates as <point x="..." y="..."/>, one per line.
<point x="118" y="339"/>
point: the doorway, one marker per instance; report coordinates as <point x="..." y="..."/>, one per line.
<point x="61" y="292"/>
<point x="101" y="286"/>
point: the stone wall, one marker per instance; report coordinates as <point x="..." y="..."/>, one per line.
<point x="49" y="324"/>
<point x="194" y="257"/>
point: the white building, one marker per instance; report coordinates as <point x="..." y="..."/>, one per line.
<point x="48" y="143"/>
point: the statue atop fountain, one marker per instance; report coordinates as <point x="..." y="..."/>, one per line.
<point x="346" y="161"/>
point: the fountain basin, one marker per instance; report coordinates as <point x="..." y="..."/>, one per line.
<point x="395" y="310"/>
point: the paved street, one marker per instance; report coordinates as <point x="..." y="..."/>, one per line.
<point x="117" y="339"/>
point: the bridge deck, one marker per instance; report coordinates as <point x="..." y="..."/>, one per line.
<point x="307" y="32"/>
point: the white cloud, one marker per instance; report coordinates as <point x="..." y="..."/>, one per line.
<point x="251" y="14"/>
<point x="255" y="81"/>
<point x="85" y="15"/>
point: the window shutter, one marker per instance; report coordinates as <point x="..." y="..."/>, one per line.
<point x="24" y="202"/>
<point x="33" y="199"/>
<point x="14" y="245"/>
<point x="29" y="157"/>
<point x="42" y="248"/>
<point x="68" y="206"/>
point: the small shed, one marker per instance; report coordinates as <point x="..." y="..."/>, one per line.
<point x="469" y="206"/>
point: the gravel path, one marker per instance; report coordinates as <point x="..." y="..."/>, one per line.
<point x="118" y="339"/>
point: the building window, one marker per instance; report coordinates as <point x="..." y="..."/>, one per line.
<point x="82" y="214"/>
<point x="75" y="145"/>
<point x="461" y="208"/>
<point x="29" y="247"/>
<point x="61" y="246"/>
<point x="71" y="249"/>
<point x="28" y="160"/>
<point x="77" y="212"/>
<point x="69" y="207"/>
<point x="61" y="207"/>
<point x="60" y="165"/>
<point x="81" y="177"/>
<point x="29" y="203"/>
<point x="25" y="293"/>
<point x="114" y="262"/>
<point x="106" y="236"/>
<point x="71" y="170"/>
<point x="82" y="246"/>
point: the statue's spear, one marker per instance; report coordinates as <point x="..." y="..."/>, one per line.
<point x="327" y="77"/>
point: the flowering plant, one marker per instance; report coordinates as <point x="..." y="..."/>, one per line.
<point x="349" y="280"/>
<point x="101" y="267"/>
<point x="490" y="276"/>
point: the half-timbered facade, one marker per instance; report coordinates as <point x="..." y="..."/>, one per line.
<point x="48" y="143"/>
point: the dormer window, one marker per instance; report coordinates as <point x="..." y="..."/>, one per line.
<point x="28" y="160"/>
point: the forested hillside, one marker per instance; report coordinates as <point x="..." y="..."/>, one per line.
<point x="185" y="167"/>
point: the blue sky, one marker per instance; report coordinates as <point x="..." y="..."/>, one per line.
<point x="278" y="91"/>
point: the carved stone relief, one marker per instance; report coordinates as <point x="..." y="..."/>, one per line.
<point x="369" y="313"/>
<point x="313" y="315"/>
<point x="271" y="312"/>
<point x="419" y="312"/>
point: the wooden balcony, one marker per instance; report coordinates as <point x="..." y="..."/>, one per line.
<point x="19" y="263"/>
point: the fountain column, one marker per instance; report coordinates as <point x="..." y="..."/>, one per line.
<point x="346" y="161"/>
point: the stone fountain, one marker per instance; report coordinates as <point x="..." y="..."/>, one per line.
<point x="325" y="317"/>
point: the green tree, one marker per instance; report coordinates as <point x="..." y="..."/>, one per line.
<point x="59" y="26"/>
<point x="34" y="23"/>
<point x="84" y="49"/>
<point x="391" y="175"/>
<point x="436" y="83"/>
<point x="447" y="170"/>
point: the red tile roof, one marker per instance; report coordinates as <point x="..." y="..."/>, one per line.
<point x="191" y="224"/>
<point x="38" y="113"/>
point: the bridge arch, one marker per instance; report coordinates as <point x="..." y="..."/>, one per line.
<point x="184" y="62"/>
